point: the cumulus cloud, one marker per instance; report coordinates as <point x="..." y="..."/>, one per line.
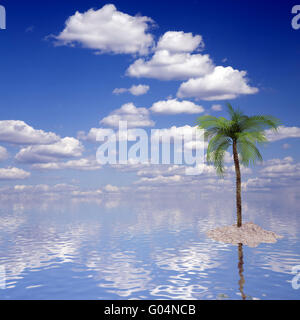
<point x="276" y="173"/>
<point x="280" y="168"/>
<point x="166" y="65"/>
<point x="174" y="58"/>
<point x="3" y="153"/>
<point x="152" y="171"/>
<point x="179" y="41"/>
<point x="110" y="188"/>
<point x="277" y="161"/>
<point x="173" y="106"/>
<point x="92" y="134"/>
<point x="136" y="90"/>
<point x="78" y="164"/>
<point x="135" y="117"/>
<point x="283" y="133"/>
<point x="44" y="189"/>
<point x="160" y="180"/>
<point x="216" y="107"/>
<point x="65" y="148"/>
<point x="18" y="132"/>
<point x="42" y="193"/>
<point x="108" y="30"/>
<point x="13" y="174"/>
<point x="176" y="133"/>
<point x="182" y="177"/>
<point x="223" y="83"/>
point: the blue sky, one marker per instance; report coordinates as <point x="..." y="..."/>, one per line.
<point x="62" y="87"/>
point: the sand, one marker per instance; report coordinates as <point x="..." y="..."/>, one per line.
<point x="249" y="234"/>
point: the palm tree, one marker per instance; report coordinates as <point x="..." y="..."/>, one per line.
<point x="241" y="132"/>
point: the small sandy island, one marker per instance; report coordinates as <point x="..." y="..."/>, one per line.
<point x="249" y="234"/>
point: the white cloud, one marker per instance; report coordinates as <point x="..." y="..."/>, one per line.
<point x="280" y="168"/>
<point x="173" y="106"/>
<point x="165" y="65"/>
<point x="175" y="132"/>
<point x="178" y="41"/>
<point x="223" y="83"/>
<point x="276" y="161"/>
<point x="3" y="153"/>
<point x="202" y="169"/>
<point x="258" y="184"/>
<point x="150" y="171"/>
<point x="13" y="174"/>
<point x="160" y="180"/>
<point x="135" y="117"/>
<point x="103" y="132"/>
<point x="173" y="59"/>
<point x="283" y="133"/>
<point x="64" y="148"/>
<point x="136" y="90"/>
<point x="41" y="189"/>
<point x="92" y="134"/>
<point x="216" y="107"/>
<point x="120" y="90"/>
<point x="79" y="164"/>
<point x="110" y="188"/>
<point x="139" y="89"/>
<point x="18" y="132"/>
<point x="276" y="173"/>
<point x="108" y="30"/>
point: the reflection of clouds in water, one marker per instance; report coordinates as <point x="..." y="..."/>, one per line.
<point x="190" y="263"/>
<point x="120" y="273"/>
<point x="277" y="261"/>
<point x="34" y="248"/>
<point x="168" y="254"/>
<point x="186" y="292"/>
<point x="277" y="212"/>
<point x="149" y="220"/>
<point x="110" y="204"/>
<point x="10" y="223"/>
<point x="273" y="220"/>
<point x="175" y="214"/>
<point x="196" y="258"/>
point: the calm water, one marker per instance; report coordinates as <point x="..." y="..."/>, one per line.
<point x="145" y="249"/>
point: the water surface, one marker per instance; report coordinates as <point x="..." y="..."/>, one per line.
<point x="145" y="249"/>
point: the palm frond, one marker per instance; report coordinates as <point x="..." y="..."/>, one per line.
<point x="253" y="136"/>
<point x="260" y="123"/>
<point x="235" y="114"/>
<point x="248" y="152"/>
<point x="216" y="152"/>
<point x="246" y="131"/>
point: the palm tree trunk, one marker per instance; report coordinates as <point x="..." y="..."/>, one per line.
<point x="238" y="184"/>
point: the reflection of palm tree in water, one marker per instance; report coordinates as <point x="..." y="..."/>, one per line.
<point x="241" y="269"/>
